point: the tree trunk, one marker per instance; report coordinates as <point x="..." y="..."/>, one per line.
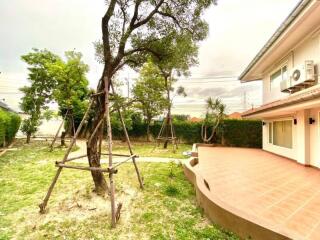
<point x="148" y="131"/>
<point x="28" y="138"/>
<point x="93" y="149"/>
<point x="63" y="136"/>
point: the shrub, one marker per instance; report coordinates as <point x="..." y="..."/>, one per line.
<point x="3" y="123"/>
<point x="13" y="126"/>
<point x="9" y="126"/>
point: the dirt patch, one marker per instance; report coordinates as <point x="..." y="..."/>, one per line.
<point x="79" y="206"/>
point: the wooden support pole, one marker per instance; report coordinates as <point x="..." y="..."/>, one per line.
<point x="43" y="205"/>
<point x="74" y="128"/>
<point x="95" y="130"/>
<point x="129" y="143"/>
<point x="109" y="132"/>
<point x="100" y="139"/>
<point x="73" y="158"/>
<point x="119" y="155"/>
<point x="62" y="165"/>
<point x="172" y="135"/>
<point x="97" y="94"/>
<point x="160" y="134"/>
<point x="57" y="133"/>
<point x="123" y="161"/>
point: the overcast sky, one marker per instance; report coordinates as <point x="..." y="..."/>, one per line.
<point x="238" y="29"/>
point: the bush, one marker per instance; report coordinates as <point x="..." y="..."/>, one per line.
<point x="9" y="126"/>
<point x="236" y="133"/>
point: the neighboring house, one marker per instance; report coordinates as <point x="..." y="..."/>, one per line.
<point x="5" y="107"/>
<point x="195" y="119"/>
<point x="289" y="66"/>
<point x="234" y="115"/>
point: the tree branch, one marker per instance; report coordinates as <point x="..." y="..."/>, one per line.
<point x="151" y="14"/>
<point x="105" y="30"/>
<point x="175" y="20"/>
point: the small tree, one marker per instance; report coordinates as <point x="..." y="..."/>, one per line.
<point x="215" y="112"/>
<point x="39" y="93"/>
<point x="149" y="92"/>
<point x="71" y="91"/>
<point x="179" y="53"/>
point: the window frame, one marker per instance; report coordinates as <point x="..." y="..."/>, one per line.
<point x="271" y="124"/>
<point x="280" y="68"/>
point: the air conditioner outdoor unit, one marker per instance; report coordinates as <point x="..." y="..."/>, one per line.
<point x="303" y="75"/>
<point x="285" y="85"/>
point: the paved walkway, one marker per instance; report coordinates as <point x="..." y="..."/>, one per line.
<point x="268" y="188"/>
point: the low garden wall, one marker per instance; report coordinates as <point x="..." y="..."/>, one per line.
<point x="9" y="126"/>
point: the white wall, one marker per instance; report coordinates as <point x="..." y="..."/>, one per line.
<point x="305" y="139"/>
<point x="308" y="49"/>
<point x="46" y="129"/>
<point x="315" y="138"/>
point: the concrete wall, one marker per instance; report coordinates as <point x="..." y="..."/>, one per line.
<point x="315" y="138"/>
<point x="305" y="138"/>
<point x="46" y="129"/>
<point x="307" y="49"/>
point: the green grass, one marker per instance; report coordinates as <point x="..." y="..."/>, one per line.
<point x="149" y="149"/>
<point x="165" y="209"/>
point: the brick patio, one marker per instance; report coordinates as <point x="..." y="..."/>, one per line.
<point x="274" y="192"/>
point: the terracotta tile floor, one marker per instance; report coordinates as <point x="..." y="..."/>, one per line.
<point x="268" y="187"/>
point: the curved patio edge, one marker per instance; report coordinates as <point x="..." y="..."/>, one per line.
<point x="225" y="215"/>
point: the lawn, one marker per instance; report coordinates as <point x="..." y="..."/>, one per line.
<point x="165" y="209"/>
<point x="149" y="149"/>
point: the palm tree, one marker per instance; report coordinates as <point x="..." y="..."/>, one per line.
<point x="215" y="112"/>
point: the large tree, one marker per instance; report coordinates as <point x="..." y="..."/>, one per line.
<point x="149" y="92"/>
<point x="129" y="29"/>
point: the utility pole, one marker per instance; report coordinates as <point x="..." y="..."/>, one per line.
<point x="245" y="100"/>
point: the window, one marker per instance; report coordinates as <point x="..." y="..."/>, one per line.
<point x="277" y="77"/>
<point x="282" y="133"/>
<point x="270" y="132"/>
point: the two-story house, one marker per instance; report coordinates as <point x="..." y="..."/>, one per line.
<point x="289" y="67"/>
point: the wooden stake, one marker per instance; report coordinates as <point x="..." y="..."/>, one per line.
<point x="172" y="135"/>
<point x="95" y="130"/>
<point x="109" y="131"/>
<point x="74" y="128"/>
<point x="62" y="165"/>
<point x="128" y="142"/>
<point x="57" y="133"/>
<point x="167" y="133"/>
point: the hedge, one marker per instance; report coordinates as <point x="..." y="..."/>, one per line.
<point x="9" y="126"/>
<point x="237" y="133"/>
<point x="242" y="133"/>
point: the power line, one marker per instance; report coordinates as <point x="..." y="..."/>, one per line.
<point x="213" y="81"/>
<point x="17" y="93"/>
